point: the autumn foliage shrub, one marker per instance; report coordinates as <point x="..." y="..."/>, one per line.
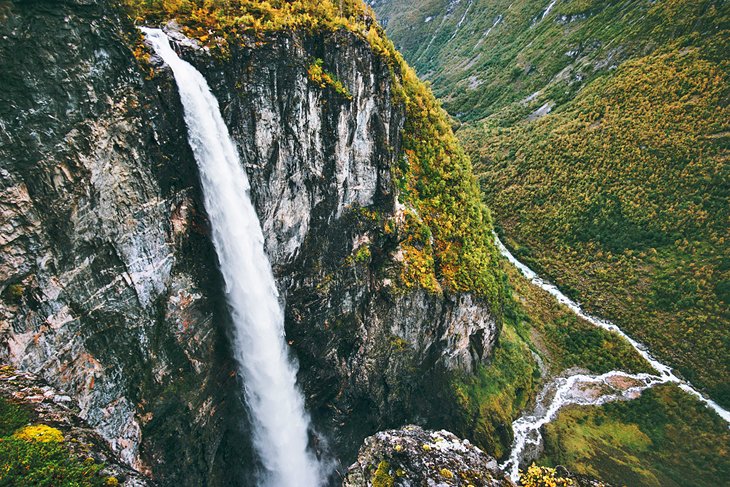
<point x="537" y="476"/>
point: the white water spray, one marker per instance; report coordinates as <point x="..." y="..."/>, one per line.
<point x="576" y="389"/>
<point x="280" y="423"/>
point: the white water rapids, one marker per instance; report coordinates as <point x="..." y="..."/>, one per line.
<point x="280" y="423"/>
<point x="585" y="389"/>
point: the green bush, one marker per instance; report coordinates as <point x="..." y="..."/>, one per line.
<point x="40" y="464"/>
<point x="12" y="417"/>
<point x="35" y="455"/>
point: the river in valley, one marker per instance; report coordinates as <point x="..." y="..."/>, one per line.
<point x="584" y="389"/>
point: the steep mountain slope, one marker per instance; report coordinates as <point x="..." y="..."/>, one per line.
<point x="380" y="244"/>
<point x="600" y="130"/>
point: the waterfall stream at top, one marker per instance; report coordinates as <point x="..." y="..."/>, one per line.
<point x="280" y="422"/>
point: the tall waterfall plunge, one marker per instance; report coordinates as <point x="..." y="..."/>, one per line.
<point x="280" y="422"/>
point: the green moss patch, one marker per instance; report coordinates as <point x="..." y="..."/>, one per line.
<point x="664" y="438"/>
<point x="36" y="455"/>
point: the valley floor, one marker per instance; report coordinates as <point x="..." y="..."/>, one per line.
<point x="664" y="436"/>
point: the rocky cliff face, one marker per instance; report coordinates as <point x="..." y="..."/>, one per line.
<point x="105" y="257"/>
<point x="110" y="288"/>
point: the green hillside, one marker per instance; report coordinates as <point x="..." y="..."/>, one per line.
<point x="600" y="130"/>
<point x="662" y="439"/>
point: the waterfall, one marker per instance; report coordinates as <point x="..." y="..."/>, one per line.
<point x="280" y="423"/>
<point x="585" y="389"/>
<point x="548" y="9"/>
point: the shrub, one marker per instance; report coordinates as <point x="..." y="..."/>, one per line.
<point x="324" y="79"/>
<point x="12" y="417"/>
<point x="543" y="477"/>
<point x="43" y="463"/>
<point x="39" y="432"/>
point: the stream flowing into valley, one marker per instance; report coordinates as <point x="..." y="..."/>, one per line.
<point x="279" y="420"/>
<point x="584" y="389"/>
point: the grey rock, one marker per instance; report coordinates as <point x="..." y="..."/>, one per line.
<point x="414" y="457"/>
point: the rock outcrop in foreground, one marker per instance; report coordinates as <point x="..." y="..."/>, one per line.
<point x="412" y="456"/>
<point x="58" y="412"/>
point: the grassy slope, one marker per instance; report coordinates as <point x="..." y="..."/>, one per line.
<point x="534" y="325"/>
<point x="620" y="194"/>
<point x="663" y="439"/>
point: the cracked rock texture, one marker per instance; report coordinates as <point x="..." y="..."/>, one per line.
<point x="109" y="288"/>
<point x="412" y="456"/>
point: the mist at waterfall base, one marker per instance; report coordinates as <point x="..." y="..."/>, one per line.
<point x="279" y="420"/>
<point x="563" y="391"/>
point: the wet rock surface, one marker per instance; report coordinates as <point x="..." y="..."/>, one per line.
<point x="109" y="284"/>
<point x="412" y="456"/>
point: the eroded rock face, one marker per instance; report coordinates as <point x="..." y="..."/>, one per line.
<point x="109" y="284"/>
<point x="104" y="256"/>
<point x="320" y="171"/>
<point x="414" y="457"/>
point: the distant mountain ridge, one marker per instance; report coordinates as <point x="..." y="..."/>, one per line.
<point x="482" y="55"/>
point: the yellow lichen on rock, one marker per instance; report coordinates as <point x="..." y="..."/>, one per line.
<point x="382" y="476"/>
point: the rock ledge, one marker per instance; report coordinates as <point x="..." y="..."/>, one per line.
<point x="412" y="456"/>
<point x="52" y="407"/>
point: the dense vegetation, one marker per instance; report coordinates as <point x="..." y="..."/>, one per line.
<point x="216" y="23"/>
<point x="584" y="439"/>
<point x="445" y="231"/>
<point x="622" y="196"/>
<point x="665" y="438"/>
<point x="534" y="323"/>
<point x="484" y="55"/>
<point x="35" y="455"/>
<point x="600" y="131"/>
